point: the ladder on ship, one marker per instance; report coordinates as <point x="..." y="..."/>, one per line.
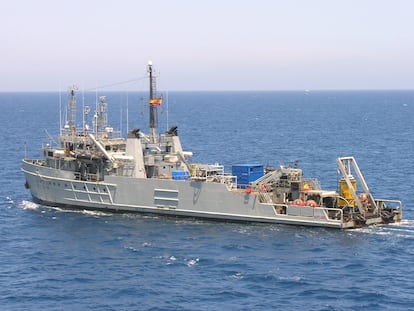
<point x="264" y="196"/>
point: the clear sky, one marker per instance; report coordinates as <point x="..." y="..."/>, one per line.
<point x="208" y="45"/>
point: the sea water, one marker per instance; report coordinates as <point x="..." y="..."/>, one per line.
<point x="54" y="259"/>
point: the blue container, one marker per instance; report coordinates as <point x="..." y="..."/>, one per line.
<point x="180" y="175"/>
<point x="246" y="173"/>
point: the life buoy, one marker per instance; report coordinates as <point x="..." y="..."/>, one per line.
<point x="263" y="186"/>
<point x="311" y="203"/>
<point x="298" y="202"/>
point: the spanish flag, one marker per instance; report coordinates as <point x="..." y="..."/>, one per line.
<point x="156" y="101"/>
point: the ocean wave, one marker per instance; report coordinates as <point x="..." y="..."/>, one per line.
<point x="404" y="230"/>
<point x="95" y="213"/>
<point x="9" y="200"/>
<point x="131" y="248"/>
<point x="78" y="211"/>
<point x="236" y="276"/>
<point x="29" y="205"/>
<point x="193" y="262"/>
<point x="404" y="223"/>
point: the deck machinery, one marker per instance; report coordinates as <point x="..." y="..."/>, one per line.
<point x="286" y="186"/>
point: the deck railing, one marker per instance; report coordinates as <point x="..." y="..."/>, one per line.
<point x="323" y="213"/>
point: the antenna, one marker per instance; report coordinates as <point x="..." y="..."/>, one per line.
<point x="60" y="110"/>
<point x="167" y="110"/>
<point x="153" y="103"/>
<point x="86" y="111"/>
<point x="95" y="117"/>
<point x="72" y="108"/>
<point x="127" y="113"/>
<point x="120" y="117"/>
<point x="83" y="110"/>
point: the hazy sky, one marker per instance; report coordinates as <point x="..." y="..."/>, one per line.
<point x="208" y="45"/>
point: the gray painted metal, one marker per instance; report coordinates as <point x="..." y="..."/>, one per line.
<point x="101" y="171"/>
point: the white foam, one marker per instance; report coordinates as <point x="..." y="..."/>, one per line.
<point x="236" y="276"/>
<point x="95" y="213"/>
<point x="404" y="229"/>
<point x="29" y="205"/>
<point x="192" y="262"/>
<point x="132" y="249"/>
<point x="293" y="278"/>
<point x="76" y="211"/>
<point x="405" y="223"/>
<point x="9" y="200"/>
<point x="401" y="229"/>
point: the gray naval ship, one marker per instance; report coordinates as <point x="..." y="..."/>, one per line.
<point x="97" y="169"/>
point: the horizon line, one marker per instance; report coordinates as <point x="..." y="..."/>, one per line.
<point x="212" y="90"/>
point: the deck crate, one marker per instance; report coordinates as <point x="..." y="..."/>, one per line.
<point x="246" y="173"/>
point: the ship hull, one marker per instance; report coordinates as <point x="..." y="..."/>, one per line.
<point x="185" y="198"/>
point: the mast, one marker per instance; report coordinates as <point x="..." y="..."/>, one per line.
<point x="153" y="121"/>
<point x="102" y="115"/>
<point x="72" y="108"/>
